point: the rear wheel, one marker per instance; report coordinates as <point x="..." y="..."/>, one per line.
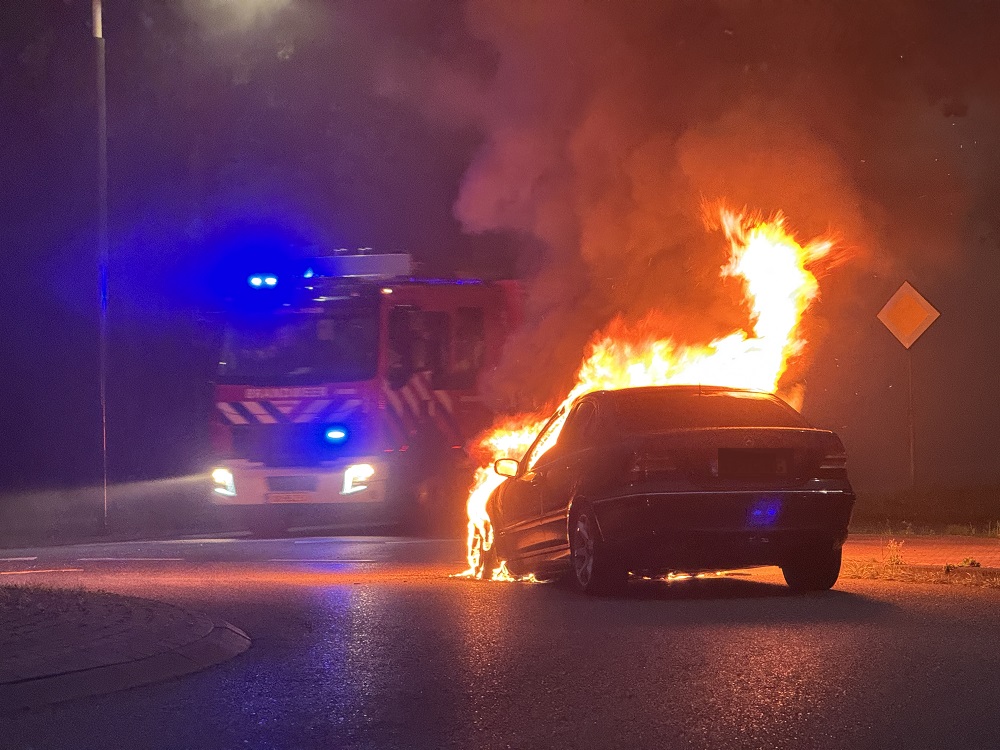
<point x="817" y="570"/>
<point x="595" y="569"/>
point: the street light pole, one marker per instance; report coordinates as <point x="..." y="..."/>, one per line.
<point x="102" y="258"/>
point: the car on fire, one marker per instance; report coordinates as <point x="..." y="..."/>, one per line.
<point x="673" y="479"/>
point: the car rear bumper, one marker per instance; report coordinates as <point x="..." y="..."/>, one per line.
<point x="714" y="531"/>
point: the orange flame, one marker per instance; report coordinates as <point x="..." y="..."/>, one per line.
<point x="779" y="288"/>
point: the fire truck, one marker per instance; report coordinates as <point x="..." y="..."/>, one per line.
<point x="346" y="394"/>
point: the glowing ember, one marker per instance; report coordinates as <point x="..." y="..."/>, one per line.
<point x="779" y="288"/>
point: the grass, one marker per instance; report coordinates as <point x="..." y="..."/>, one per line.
<point x="970" y="510"/>
<point x="946" y="574"/>
<point x="136" y="510"/>
<point x="43" y="598"/>
<point x="893" y="552"/>
<point x="892" y="567"/>
<point x="989" y="530"/>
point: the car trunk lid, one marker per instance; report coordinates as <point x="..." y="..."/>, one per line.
<point x="719" y="457"/>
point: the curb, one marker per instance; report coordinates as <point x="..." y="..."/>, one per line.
<point x="222" y="643"/>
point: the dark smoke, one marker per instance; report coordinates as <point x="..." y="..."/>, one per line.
<point x="605" y="126"/>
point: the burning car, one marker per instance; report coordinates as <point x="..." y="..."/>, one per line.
<point x="651" y="480"/>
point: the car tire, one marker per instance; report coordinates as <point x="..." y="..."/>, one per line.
<point x="483" y="561"/>
<point x="815" y="571"/>
<point x="594" y="569"/>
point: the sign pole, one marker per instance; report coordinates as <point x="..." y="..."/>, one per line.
<point x="913" y="465"/>
<point x="907" y="315"/>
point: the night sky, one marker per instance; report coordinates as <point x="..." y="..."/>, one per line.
<point x="572" y="144"/>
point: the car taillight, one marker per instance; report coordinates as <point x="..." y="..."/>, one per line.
<point x="834" y="461"/>
<point x="835" y="457"/>
<point x="645" y="466"/>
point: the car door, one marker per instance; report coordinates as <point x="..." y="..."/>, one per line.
<point x="560" y="476"/>
<point x="520" y="504"/>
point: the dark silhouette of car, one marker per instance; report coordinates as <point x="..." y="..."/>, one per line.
<point x="673" y="479"/>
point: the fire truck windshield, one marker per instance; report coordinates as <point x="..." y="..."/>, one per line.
<point x="301" y="349"/>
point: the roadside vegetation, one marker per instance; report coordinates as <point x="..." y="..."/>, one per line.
<point x="961" y="511"/>
<point x="893" y="567"/>
<point x="954" y="574"/>
<point x="136" y="510"/>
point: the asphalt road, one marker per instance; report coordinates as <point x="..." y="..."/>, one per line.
<point x="368" y="643"/>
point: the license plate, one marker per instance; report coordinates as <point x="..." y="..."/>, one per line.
<point x="752" y="463"/>
<point x="289" y="497"/>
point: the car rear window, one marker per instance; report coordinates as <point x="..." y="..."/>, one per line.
<point x="656" y="411"/>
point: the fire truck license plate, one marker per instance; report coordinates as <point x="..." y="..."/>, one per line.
<point x="289" y="497"/>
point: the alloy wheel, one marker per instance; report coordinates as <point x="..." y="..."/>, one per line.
<point x="583" y="550"/>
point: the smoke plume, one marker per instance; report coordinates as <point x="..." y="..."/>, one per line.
<point x="607" y="126"/>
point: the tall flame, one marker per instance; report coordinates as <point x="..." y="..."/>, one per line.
<point x="778" y="287"/>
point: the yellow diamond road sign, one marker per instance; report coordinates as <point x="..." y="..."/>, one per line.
<point x="907" y="315"/>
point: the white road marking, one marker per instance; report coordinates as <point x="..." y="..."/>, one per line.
<point x="335" y="541"/>
<point x="418" y="541"/>
<point x="357" y="540"/>
<point x="339" y="540"/>
<point x="307" y="560"/>
<point x="17" y="559"/>
<point x="130" y="559"/>
<point x="235" y="536"/>
<point x="26" y="572"/>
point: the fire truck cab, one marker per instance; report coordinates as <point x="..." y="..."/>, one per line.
<point x="346" y="395"/>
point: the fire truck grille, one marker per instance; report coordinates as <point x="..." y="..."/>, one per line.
<point x="295" y="445"/>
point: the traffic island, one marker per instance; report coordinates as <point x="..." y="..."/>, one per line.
<point x="64" y="644"/>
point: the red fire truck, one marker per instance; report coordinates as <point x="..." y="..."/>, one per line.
<point x="347" y="394"/>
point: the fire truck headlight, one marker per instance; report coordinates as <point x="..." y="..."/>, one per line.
<point x="224" y="482"/>
<point x="356" y="476"/>
<point x="335" y="434"/>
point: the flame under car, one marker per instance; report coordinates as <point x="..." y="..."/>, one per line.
<point x="673" y="478"/>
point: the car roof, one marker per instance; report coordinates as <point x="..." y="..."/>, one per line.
<point x="680" y="389"/>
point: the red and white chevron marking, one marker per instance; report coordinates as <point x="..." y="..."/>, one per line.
<point x="417" y="405"/>
<point x="286" y="411"/>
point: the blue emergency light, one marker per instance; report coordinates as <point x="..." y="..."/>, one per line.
<point x="263" y="281"/>
<point x="335" y="434"/>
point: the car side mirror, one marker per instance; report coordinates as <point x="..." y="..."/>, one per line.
<point x="505" y="467"/>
